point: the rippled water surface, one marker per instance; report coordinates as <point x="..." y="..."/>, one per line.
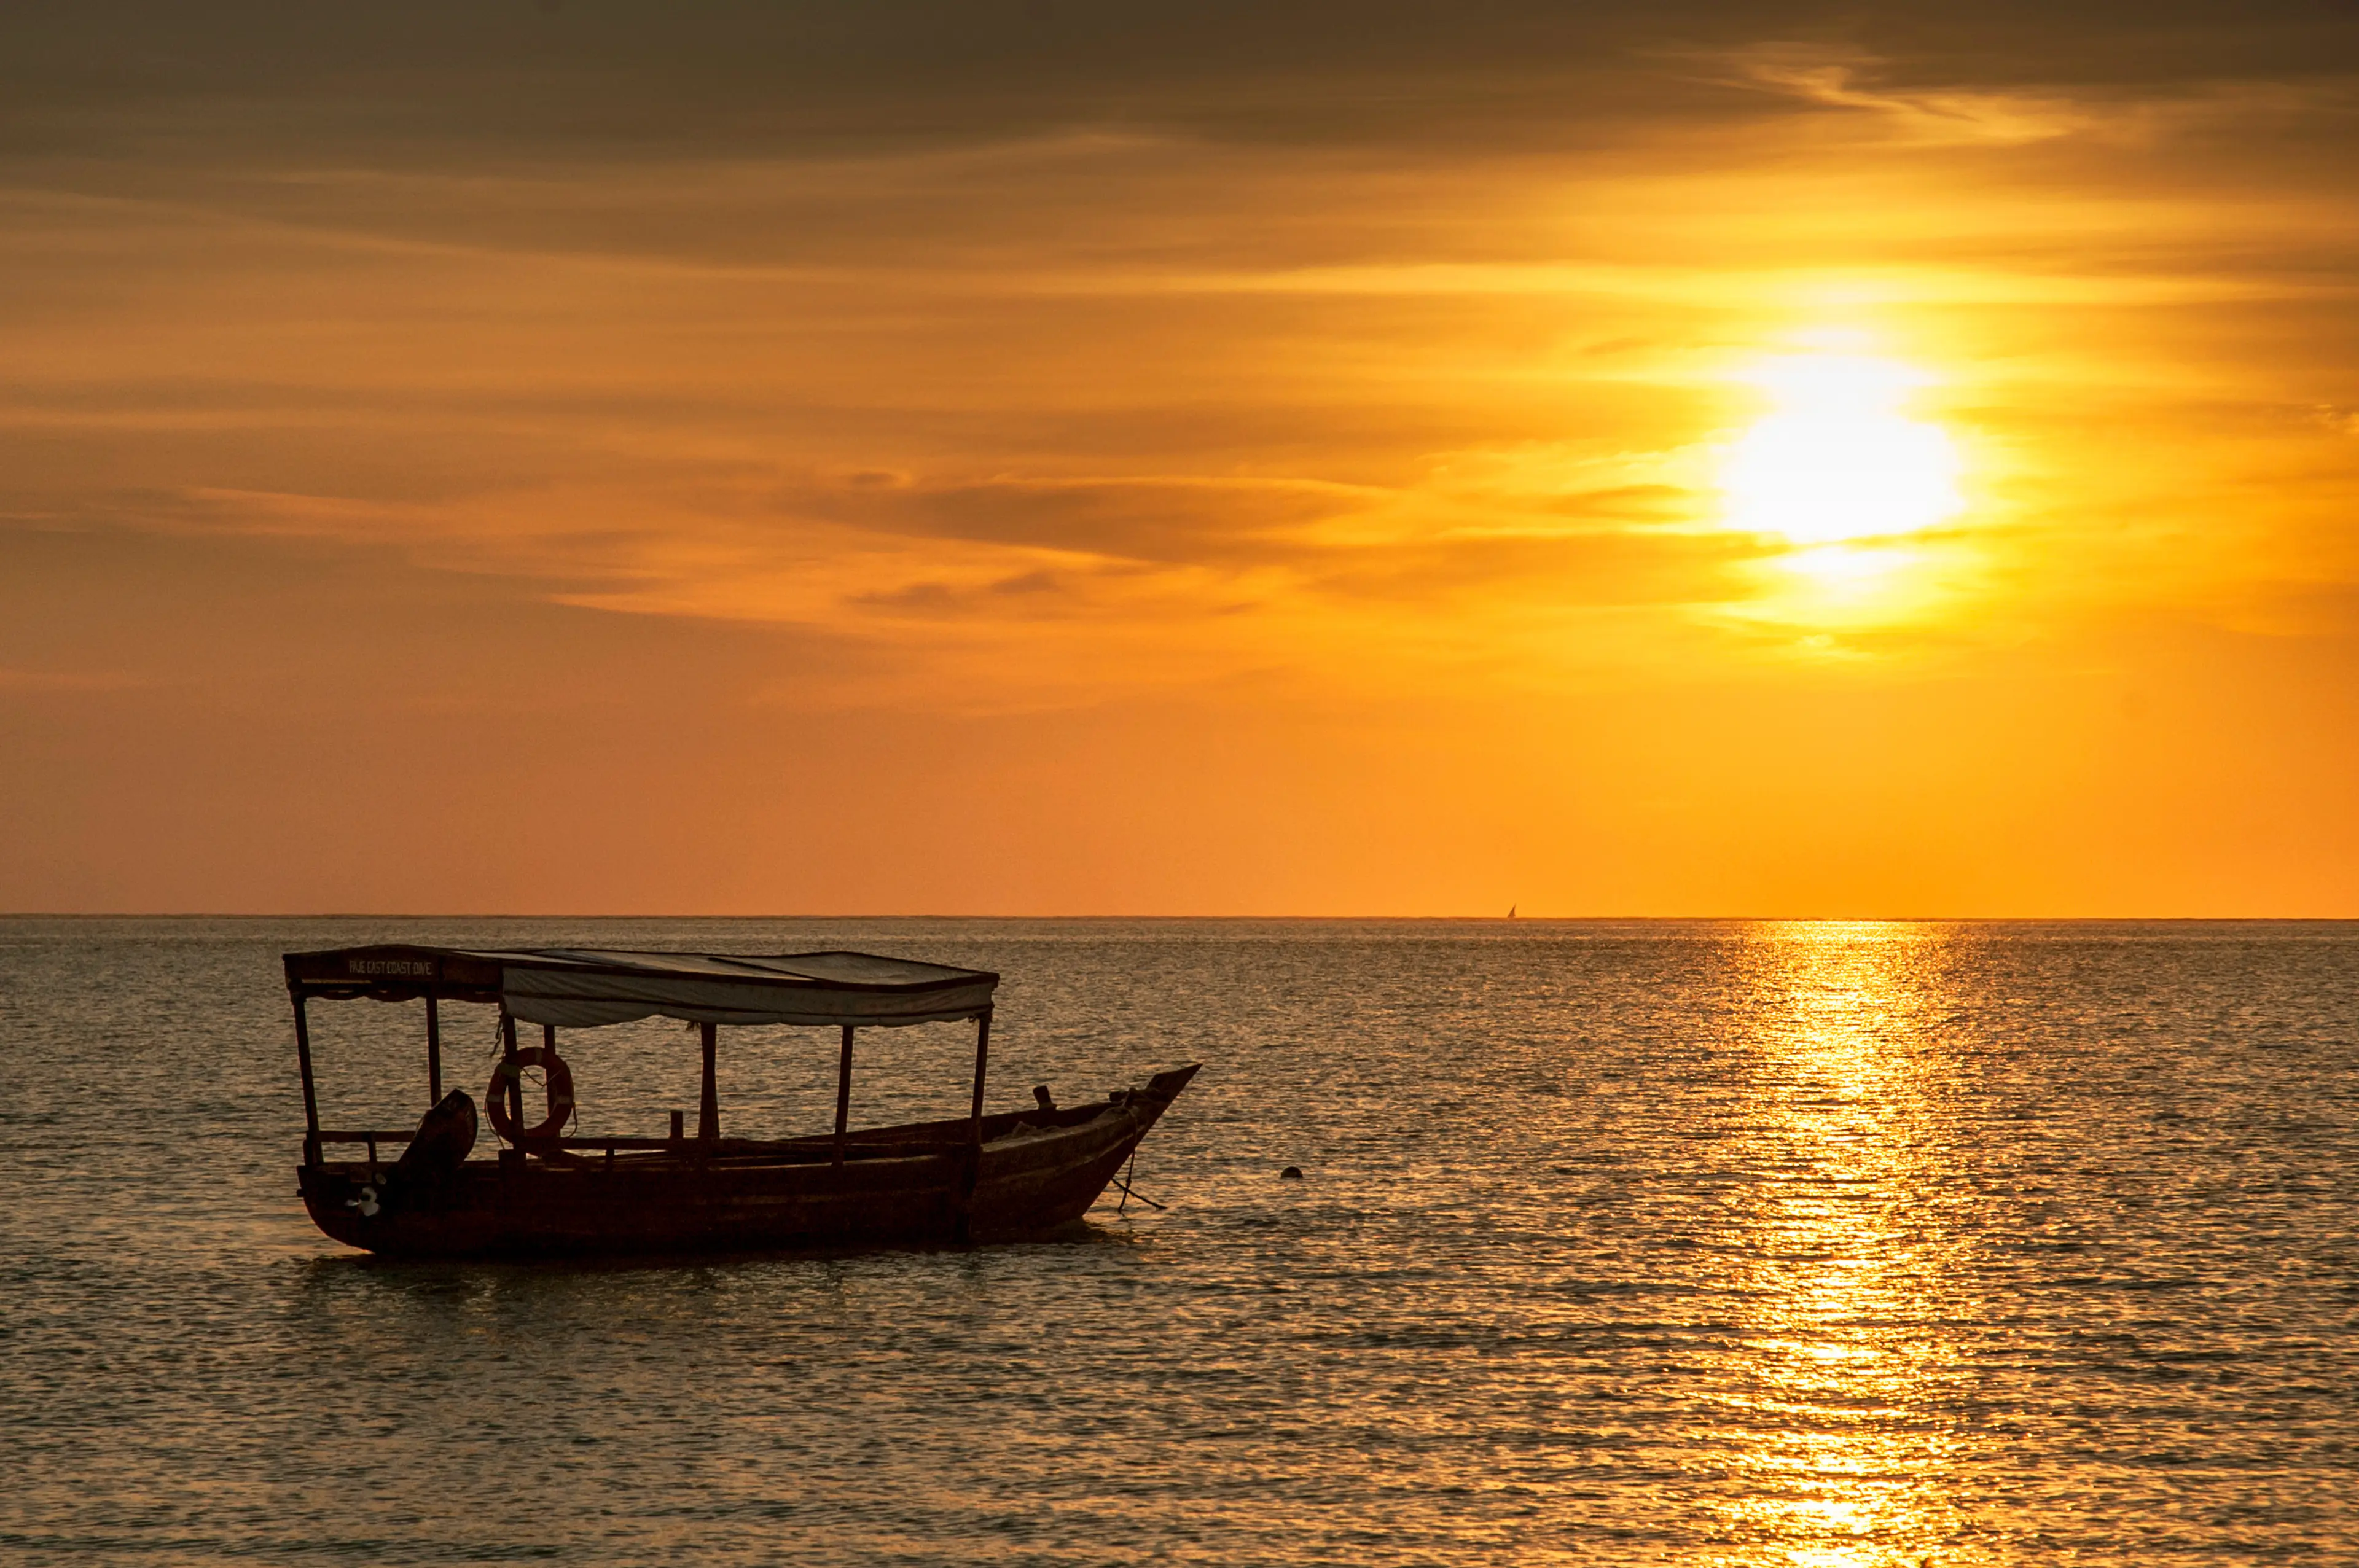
<point x="1807" y="1244"/>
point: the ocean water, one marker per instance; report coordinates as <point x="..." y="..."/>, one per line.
<point x="1805" y="1244"/>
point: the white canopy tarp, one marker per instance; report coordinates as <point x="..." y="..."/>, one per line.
<point x="581" y="987"/>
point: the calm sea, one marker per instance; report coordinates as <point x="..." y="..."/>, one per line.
<point x="1714" y="1244"/>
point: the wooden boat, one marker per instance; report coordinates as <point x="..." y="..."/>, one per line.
<point x="971" y="1178"/>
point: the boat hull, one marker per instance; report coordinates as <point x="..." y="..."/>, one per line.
<point x="914" y="1186"/>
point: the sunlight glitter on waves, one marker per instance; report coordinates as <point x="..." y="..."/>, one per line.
<point x="1843" y="1367"/>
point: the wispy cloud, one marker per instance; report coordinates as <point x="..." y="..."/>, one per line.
<point x="71" y="681"/>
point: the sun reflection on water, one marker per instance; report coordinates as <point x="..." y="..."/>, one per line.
<point x="1841" y="1364"/>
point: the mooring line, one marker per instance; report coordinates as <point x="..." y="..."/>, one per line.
<point x="1128" y="1195"/>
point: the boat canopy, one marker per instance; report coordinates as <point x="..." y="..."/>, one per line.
<point x="574" y="988"/>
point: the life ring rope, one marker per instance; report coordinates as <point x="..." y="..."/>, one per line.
<point x="557" y="1088"/>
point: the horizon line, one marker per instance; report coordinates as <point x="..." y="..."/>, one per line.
<point x="1469" y="919"/>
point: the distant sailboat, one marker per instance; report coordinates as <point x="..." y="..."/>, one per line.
<point x="1511" y="912"/>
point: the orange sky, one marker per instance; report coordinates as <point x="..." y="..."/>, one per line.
<point x="1048" y="459"/>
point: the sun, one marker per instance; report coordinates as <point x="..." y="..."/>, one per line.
<point x="1837" y="457"/>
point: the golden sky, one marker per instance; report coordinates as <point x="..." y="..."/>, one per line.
<point x="1710" y="459"/>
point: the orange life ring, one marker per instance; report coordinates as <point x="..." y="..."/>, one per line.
<point x="560" y="1089"/>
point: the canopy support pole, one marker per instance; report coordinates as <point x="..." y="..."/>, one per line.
<point x="843" y="1092"/>
<point x="708" y="1108"/>
<point x="513" y="1084"/>
<point x="982" y="1055"/>
<point x="434" y="1049"/>
<point x="311" y="1098"/>
<point x="962" y="1195"/>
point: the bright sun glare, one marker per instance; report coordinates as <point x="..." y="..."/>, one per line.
<point x="1838" y="457"/>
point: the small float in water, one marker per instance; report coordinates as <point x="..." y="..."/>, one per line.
<point x="972" y="1178"/>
